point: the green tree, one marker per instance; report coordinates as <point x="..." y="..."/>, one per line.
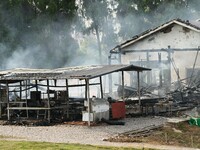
<point x="99" y="21"/>
<point x="139" y="15"/>
<point x="45" y="24"/>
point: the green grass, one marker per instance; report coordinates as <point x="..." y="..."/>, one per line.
<point x="3" y="136"/>
<point x="23" y="145"/>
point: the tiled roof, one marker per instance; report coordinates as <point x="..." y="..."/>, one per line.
<point x="195" y="25"/>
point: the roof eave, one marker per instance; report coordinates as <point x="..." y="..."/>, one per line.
<point x="126" y="44"/>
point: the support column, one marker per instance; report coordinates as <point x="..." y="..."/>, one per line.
<point x="20" y="90"/>
<point x="169" y="65"/>
<point x="1" y="100"/>
<point x="26" y="96"/>
<point x="88" y="100"/>
<point x="138" y="77"/>
<point x="8" y="104"/>
<point x="67" y="97"/>
<point x="160" y="69"/>
<point x="148" y="73"/>
<point x="48" y="97"/>
<point x="120" y="63"/>
<point x="36" y="85"/>
<point x="86" y="88"/>
<point x="26" y="90"/>
<point x="101" y="87"/>
<point x="123" y="85"/>
<point x="110" y="76"/>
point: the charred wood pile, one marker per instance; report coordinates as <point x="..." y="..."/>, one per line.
<point x="154" y="100"/>
<point x="133" y="135"/>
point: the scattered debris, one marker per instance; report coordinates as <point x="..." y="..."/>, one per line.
<point x="113" y="122"/>
<point x="179" y="134"/>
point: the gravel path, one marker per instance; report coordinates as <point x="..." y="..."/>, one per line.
<point x="80" y="134"/>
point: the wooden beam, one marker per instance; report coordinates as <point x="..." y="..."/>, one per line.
<point x="48" y="97"/>
<point x="138" y="77"/>
<point x="78" y="85"/>
<point x="155" y="50"/>
<point x="26" y="98"/>
<point x="160" y="69"/>
<point x="20" y="90"/>
<point x="86" y="89"/>
<point x="123" y="86"/>
<point x="8" y="104"/>
<point x="101" y="87"/>
<point x="26" y="90"/>
<point x="88" y="100"/>
<point x="36" y="85"/>
<point x="67" y="97"/>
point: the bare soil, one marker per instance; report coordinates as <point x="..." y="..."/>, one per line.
<point x="178" y="134"/>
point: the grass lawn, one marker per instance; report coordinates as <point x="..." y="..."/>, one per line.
<point x="21" y="145"/>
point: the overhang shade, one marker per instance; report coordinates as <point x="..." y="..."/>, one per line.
<point x="79" y="72"/>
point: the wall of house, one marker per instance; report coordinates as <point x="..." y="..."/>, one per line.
<point x="175" y="36"/>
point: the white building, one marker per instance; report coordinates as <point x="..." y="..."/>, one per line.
<point x="170" y="50"/>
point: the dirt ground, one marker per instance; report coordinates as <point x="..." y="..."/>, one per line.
<point x="94" y="135"/>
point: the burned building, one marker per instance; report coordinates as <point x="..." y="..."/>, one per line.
<point x="57" y="94"/>
<point x="170" y="50"/>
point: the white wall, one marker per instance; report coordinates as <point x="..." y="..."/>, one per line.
<point x="178" y="37"/>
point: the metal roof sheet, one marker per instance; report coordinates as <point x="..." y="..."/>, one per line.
<point x="79" y="72"/>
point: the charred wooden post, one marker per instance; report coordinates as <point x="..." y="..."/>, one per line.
<point x="160" y="69"/>
<point x="101" y="87"/>
<point x="67" y="97"/>
<point x="147" y="65"/>
<point x="88" y="100"/>
<point x="110" y="75"/>
<point x="1" y="100"/>
<point x="20" y="90"/>
<point x="86" y="88"/>
<point x="120" y="62"/>
<point x="26" y="90"/>
<point x="123" y="85"/>
<point x="138" y="77"/>
<point x="169" y="64"/>
<point x="48" y="103"/>
<point x="36" y="85"/>
<point x="8" y="103"/>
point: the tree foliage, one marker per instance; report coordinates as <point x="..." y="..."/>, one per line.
<point x="99" y="19"/>
<point x="49" y="24"/>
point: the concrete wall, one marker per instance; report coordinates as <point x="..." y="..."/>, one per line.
<point x="175" y="36"/>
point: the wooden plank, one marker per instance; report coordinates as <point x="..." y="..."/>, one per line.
<point x="78" y="85"/>
<point x="28" y="108"/>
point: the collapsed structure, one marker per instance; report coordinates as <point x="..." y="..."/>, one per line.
<point x="172" y="52"/>
<point x="33" y="93"/>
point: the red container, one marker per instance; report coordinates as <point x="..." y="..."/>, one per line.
<point x="118" y="110"/>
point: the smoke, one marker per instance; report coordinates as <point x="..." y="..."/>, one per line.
<point x="45" y="43"/>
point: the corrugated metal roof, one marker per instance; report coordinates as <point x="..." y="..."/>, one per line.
<point x="187" y="24"/>
<point x="79" y="72"/>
